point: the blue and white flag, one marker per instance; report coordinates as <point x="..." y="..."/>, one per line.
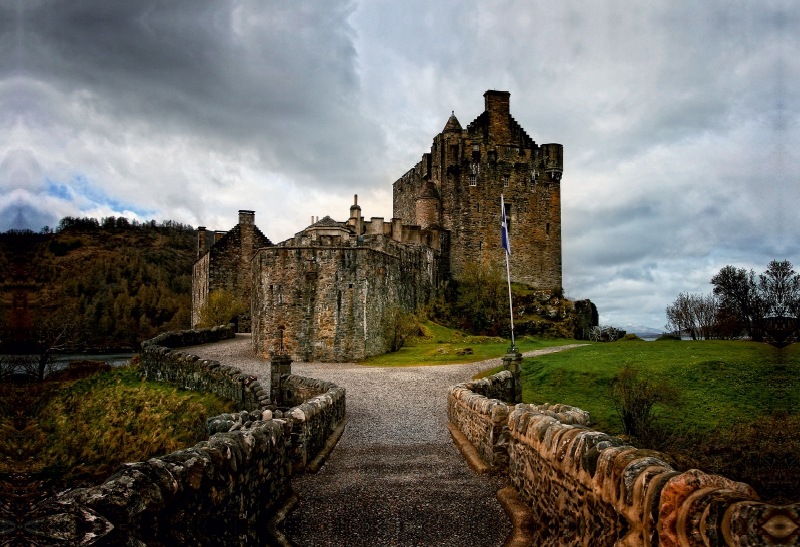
<point x="504" y="227"/>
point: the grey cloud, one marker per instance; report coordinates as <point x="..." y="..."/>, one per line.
<point x="278" y="77"/>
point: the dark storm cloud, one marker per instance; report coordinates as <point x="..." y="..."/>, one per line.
<point x="275" y="76"/>
<point x="680" y="120"/>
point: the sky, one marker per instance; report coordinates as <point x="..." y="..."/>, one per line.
<point x="680" y="120"/>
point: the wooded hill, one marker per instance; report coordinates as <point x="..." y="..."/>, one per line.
<point x="114" y="282"/>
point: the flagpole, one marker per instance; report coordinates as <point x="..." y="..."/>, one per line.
<point x="507" y="250"/>
<point x="510" y="306"/>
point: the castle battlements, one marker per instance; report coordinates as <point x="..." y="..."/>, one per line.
<point x="332" y="290"/>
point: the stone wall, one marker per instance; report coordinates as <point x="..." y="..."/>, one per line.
<point x="332" y="303"/>
<point x="317" y="410"/>
<point x="591" y="489"/>
<point x="312" y="408"/>
<point x="162" y="363"/>
<point x="223" y="491"/>
<point x="220" y="492"/>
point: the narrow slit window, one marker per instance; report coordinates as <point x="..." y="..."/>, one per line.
<point x="547" y="229"/>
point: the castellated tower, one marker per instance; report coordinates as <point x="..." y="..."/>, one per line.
<point x="457" y="186"/>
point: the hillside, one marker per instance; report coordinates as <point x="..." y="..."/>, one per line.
<point x="116" y="282"/>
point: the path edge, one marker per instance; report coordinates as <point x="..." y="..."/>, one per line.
<point x="314" y="465"/>
<point x="468" y="451"/>
<point x="520" y="515"/>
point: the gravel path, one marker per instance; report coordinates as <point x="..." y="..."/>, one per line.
<point x="395" y="477"/>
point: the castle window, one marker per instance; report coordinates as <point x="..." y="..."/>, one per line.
<point x="505" y="180"/>
<point x="473" y="180"/>
<point x="480" y="245"/>
<point x="478" y="205"/>
<point x="547" y="230"/>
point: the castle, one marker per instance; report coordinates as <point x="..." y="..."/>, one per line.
<point x="332" y="292"/>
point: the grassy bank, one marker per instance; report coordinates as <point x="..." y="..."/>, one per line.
<point x="720" y="382"/>
<point x="443" y="346"/>
<point x="737" y="413"/>
<point x="76" y="431"/>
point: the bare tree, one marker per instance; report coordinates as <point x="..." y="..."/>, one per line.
<point x="51" y="334"/>
<point x="769" y="304"/>
<point x="681" y="316"/>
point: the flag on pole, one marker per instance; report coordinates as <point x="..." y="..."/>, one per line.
<point x="506" y="244"/>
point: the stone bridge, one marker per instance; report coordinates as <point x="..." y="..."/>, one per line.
<point x="395" y="477"/>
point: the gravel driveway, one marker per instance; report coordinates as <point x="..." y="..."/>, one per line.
<point x="395" y="477"/>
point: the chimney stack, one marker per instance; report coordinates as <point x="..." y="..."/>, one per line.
<point x="201" y="241"/>
<point x="497" y="105"/>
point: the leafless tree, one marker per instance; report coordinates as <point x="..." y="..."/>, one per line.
<point x="52" y="334"/>
<point x="695" y="314"/>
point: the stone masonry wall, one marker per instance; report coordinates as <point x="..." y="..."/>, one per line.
<point x="220" y="492"/>
<point x="223" y="491"/>
<point x="200" y="277"/>
<point x="317" y="410"/>
<point x="163" y="364"/>
<point x="331" y="303"/>
<point x="312" y="408"/>
<point x="591" y="489"/>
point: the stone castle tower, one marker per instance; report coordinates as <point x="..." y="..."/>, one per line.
<point x="224" y="262"/>
<point x="456" y="187"/>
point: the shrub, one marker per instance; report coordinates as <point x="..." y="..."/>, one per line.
<point x="635" y="394"/>
<point x="398" y="326"/>
<point x="221" y="307"/>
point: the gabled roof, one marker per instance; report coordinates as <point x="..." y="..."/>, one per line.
<point x="452" y="124"/>
<point x="326" y="222"/>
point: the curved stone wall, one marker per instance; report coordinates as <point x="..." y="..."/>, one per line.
<point x="592" y="489"/>
<point x="163" y="363"/>
<point x="223" y="491"/>
<point x="219" y="492"/>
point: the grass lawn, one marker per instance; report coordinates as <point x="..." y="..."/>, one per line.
<point x="721" y="382"/>
<point x="78" y="431"/>
<point x="440" y="344"/>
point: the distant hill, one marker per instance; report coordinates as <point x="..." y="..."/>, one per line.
<point x="120" y="282"/>
<point x="640" y="330"/>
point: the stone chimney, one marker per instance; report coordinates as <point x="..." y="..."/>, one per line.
<point x="497" y="105"/>
<point x="247" y="217"/>
<point x="356" y="221"/>
<point x="201" y="241"/>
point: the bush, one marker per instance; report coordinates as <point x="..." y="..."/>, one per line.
<point x="635" y="394"/>
<point x="221" y="308"/>
<point x="398" y="326"/>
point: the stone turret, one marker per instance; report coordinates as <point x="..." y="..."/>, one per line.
<point x="428" y="210"/>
